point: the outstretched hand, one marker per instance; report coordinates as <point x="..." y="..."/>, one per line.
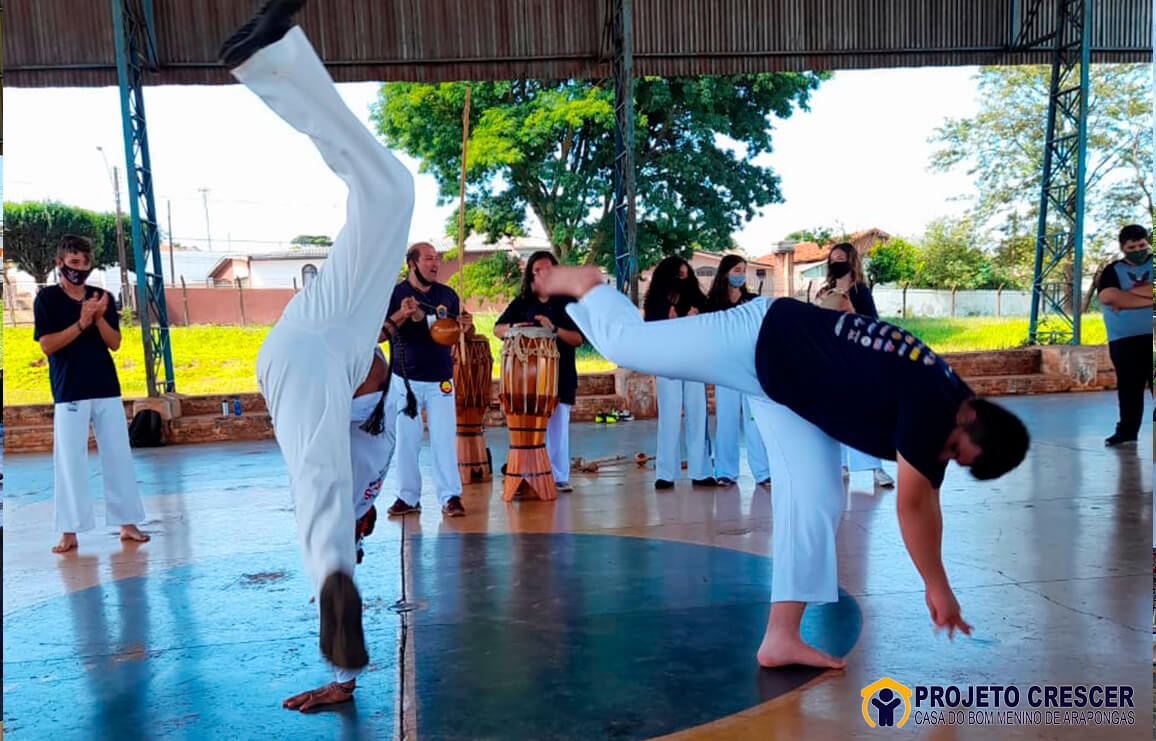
<point x="945" y="612"/>
<point x="569" y="281"/>
<point x="331" y="694"/>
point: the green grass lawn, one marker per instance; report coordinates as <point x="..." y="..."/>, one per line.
<point x="210" y="359"/>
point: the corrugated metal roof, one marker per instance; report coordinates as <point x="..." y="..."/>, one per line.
<point x="67" y="43"/>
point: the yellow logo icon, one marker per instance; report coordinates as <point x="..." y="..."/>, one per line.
<point x="881" y="699"/>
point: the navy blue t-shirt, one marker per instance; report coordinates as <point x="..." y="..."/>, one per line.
<point x="83" y="369"/>
<point x="422" y="359"/>
<point x="866" y="383"/>
<point x="522" y="310"/>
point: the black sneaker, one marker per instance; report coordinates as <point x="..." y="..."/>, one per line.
<point x="708" y="481"/>
<point x="268" y="26"/>
<point x="723" y="481"/>
<point x="1118" y="439"/>
<point x="661" y="484"/>
<point x="342" y="638"/>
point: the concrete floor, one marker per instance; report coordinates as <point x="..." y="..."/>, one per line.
<point x="615" y="612"/>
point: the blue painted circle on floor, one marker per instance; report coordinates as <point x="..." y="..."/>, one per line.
<point x="514" y="636"/>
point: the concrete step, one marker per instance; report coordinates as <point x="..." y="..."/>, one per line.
<point x="1020" y="384"/>
<point x="206" y="428"/>
<point x="1020" y="362"/>
<point x="210" y="404"/>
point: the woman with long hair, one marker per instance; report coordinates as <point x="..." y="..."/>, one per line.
<point x="846" y="288"/>
<point x="732" y="409"/>
<point x="674" y="292"/>
<point x="532" y="308"/>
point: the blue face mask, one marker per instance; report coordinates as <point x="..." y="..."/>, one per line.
<point x="738" y="281"/>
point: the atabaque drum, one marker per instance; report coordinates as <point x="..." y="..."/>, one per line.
<point x="473" y="371"/>
<point x="529" y="395"/>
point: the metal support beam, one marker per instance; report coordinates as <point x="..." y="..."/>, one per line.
<point x="132" y="29"/>
<point x="622" y="67"/>
<point x="1057" y="299"/>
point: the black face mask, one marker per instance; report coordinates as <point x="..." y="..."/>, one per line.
<point x="1138" y="258"/>
<point x="838" y="269"/>
<point x="74" y="276"/>
<point x="413" y="268"/>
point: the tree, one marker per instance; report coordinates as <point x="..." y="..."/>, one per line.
<point x="950" y="258"/>
<point x="547" y="147"/>
<point x="893" y="261"/>
<point x="302" y="240"/>
<point x="818" y="235"/>
<point x="496" y="276"/>
<point x="32" y="232"/>
<point x="1003" y="145"/>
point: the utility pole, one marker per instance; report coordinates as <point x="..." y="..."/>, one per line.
<point x="208" y="231"/>
<point x="126" y="292"/>
<point x="172" y="264"/>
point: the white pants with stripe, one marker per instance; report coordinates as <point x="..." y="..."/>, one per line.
<point x="674" y="397"/>
<point x="558" y="443"/>
<point x="441" y="417"/>
<point x="321" y="348"/>
<point x="807" y="504"/>
<point x="733" y="420"/>
<point x="70" y="424"/>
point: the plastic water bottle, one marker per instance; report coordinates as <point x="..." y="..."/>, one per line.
<point x="237" y="407"/>
<point x="224" y="409"/>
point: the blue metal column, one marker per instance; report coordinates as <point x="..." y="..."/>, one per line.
<point x="135" y="46"/>
<point x="625" y="255"/>
<point x="1060" y="230"/>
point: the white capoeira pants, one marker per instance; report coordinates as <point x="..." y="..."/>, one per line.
<point x="808" y="500"/>
<point x="857" y="460"/>
<point x="558" y="443"/>
<point x="122" y="502"/>
<point x="321" y="348"/>
<point x="733" y="416"/>
<point x="441" y="417"/>
<point x="674" y="396"/>
<point x="371" y="455"/>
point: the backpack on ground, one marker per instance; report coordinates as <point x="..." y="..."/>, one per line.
<point x="146" y="429"/>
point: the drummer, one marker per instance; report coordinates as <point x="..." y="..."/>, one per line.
<point x="532" y="308"/>
<point x="427" y="377"/>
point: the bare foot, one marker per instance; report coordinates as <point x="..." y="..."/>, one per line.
<point x="570" y="281"/>
<point x="790" y="649"/>
<point x="67" y="543"/>
<point x="131" y="532"/>
<point x="331" y="694"/>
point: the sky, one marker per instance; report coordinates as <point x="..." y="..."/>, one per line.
<point x="237" y="179"/>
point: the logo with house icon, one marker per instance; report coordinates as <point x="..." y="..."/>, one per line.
<point x="881" y="703"/>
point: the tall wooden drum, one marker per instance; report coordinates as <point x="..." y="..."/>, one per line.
<point x="473" y="386"/>
<point x="529" y="395"/>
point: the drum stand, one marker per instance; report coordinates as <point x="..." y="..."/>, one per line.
<point x="528" y="466"/>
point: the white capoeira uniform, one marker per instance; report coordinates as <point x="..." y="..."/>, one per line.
<point x="674" y="396"/>
<point x="558" y="443"/>
<point x="441" y="416"/>
<point x="320" y="350"/>
<point x="804" y="460"/>
<point x="73" y="505"/>
<point x="732" y="415"/>
<point x="371" y="455"/>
